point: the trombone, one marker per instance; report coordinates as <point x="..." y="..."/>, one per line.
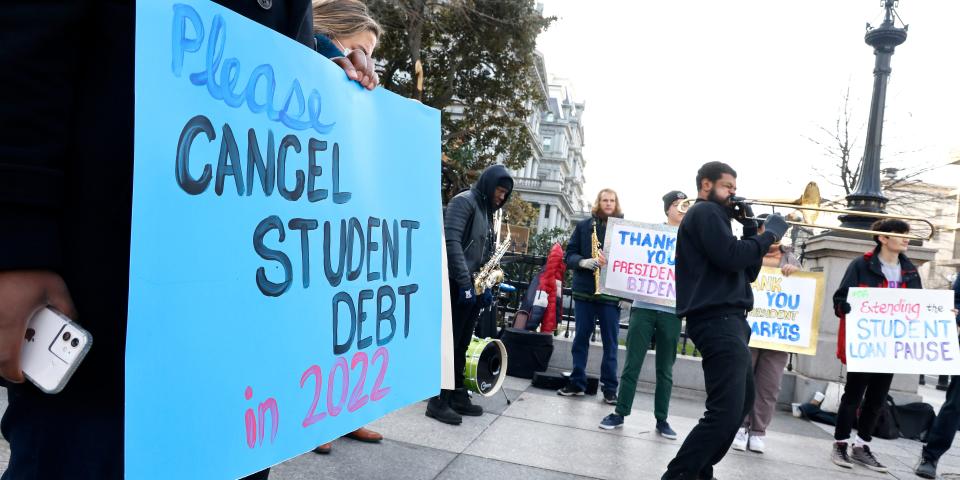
<point x="807" y="209"/>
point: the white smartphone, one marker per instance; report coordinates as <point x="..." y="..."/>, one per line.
<point x="52" y="349"/>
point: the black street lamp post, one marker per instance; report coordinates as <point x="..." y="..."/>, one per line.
<point x="868" y="193"/>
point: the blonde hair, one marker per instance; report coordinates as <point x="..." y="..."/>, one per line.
<point x="596" y="204"/>
<point x="342" y="18"/>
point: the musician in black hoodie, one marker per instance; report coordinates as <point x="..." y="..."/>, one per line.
<point x="468" y="229"/>
<point x="714" y="270"/>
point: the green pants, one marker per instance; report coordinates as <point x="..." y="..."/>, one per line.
<point x="644" y="325"/>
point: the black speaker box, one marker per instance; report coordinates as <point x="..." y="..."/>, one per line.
<point x="549" y="381"/>
<point x="527" y="352"/>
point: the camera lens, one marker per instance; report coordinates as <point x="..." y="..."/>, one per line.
<point x="66" y="336"/>
<point x="75" y="342"/>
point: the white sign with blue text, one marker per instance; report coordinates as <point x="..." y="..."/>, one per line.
<point x="898" y="330"/>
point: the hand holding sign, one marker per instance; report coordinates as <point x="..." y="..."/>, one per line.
<point x="789" y="269"/>
<point x="359" y="67"/>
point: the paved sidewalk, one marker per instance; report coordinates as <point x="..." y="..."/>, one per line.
<point x="543" y="436"/>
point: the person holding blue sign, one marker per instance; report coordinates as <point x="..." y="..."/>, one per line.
<point x="767" y="364"/>
<point x="343" y="27"/>
<point x="885" y="266"/>
<point x="651" y="321"/>
<point x="590" y="306"/>
<point x="67" y="169"/>
<point x="470" y="240"/>
<point x="944" y="428"/>
<point x="714" y="270"/>
<point x="347" y="34"/>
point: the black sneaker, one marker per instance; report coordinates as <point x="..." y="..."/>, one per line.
<point x="610" y="397"/>
<point x="663" y="428"/>
<point x="839" y="455"/>
<point x="611" y="421"/>
<point x="570" y="390"/>
<point x="927" y="468"/>
<point x="863" y="456"/>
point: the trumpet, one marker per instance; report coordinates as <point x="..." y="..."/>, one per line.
<point x="807" y="208"/>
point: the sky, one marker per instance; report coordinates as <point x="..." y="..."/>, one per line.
<point x="670" y="85"/>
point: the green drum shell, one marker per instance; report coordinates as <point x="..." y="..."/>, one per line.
<point x="474" y="351"/>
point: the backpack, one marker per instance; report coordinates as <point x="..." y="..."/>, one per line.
<point x="887" y="424"/>
<point x="915" y="420"/>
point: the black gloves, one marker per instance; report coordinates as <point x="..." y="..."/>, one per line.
<point x="776" y="225"/>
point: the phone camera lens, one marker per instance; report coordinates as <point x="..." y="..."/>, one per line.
<point x="66" y="336"/>
<point x="75" y="342"/>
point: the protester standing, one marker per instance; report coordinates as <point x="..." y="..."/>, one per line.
<point x="714" y="270"/>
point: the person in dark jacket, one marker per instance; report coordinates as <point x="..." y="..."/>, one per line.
<point x="945" y="426"/>
<point x="714" y="270"/>
<point x="589" y="306"/>
<point x="65" y="210"/>
<point x="885" y="266"/>
<point x="468" y="229"/>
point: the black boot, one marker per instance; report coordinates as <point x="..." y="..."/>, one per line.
<point x="439" y="408"/>
<point x="460" y="403"/>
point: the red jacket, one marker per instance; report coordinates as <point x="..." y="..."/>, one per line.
<point x="865" y="272"/>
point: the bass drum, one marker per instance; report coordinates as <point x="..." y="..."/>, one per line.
<point x="486" y="366"/>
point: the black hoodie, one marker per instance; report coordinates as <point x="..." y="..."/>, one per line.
<point x="468" y="225"/>
<point x="714" y="269"/>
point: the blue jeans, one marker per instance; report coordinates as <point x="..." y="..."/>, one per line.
<point x="945" y="425"/>
<point x="587" y="313"/>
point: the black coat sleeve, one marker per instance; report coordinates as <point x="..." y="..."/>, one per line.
<point x="851" y="278"/>
<point x="456" y="220"/>
<point x="303" y="19"/>
<point x="573" y="255"/>
<point x="723" y="249"/>
<point x="38" y="105"/>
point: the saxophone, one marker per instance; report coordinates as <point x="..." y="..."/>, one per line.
<point x="491" y="274"/>
<point x="595" y="253"/>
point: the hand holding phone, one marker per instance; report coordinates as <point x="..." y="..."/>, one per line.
<point x="52" y="350"/>
<point x="22" y="293"/>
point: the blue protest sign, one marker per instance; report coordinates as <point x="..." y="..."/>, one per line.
<point x="285" y="269"/>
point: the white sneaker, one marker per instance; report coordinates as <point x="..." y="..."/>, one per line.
<point x="740" y="441"/>
<point x="756" y="444"/>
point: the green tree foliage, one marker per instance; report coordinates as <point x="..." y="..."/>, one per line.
<point x="542" y="242"/>
<point x="520" y="212"/>
<point x="477" y="63"/>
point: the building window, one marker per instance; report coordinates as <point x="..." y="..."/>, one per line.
<point x="546" y="211"/>
<point x="546" y="143"/>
